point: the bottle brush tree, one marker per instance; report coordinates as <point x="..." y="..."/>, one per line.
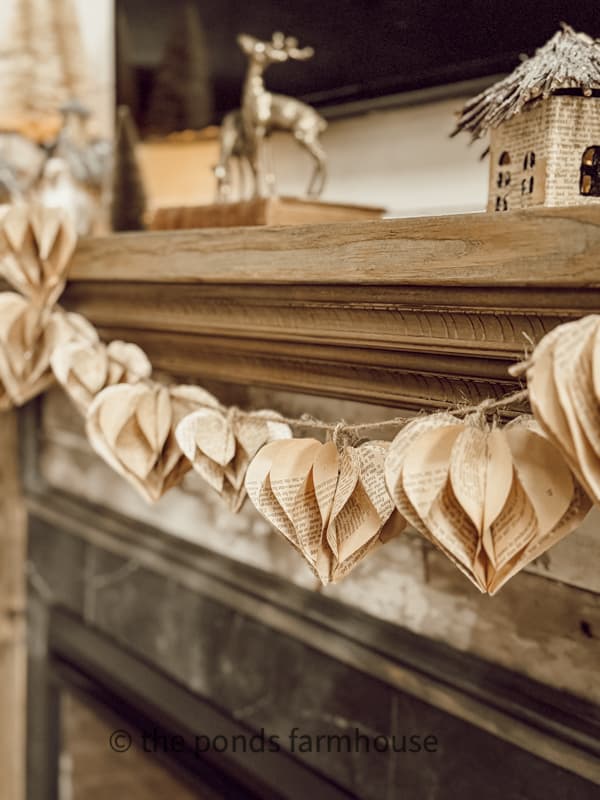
<point x="128" y="194"/>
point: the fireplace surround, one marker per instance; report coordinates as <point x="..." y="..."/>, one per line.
<point x="176" y="637"/>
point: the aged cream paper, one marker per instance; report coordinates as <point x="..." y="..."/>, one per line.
<point x="563" y="380"/>
<point x="133" y="428"/>
<point x="28" y="337"/>
<point x="36" y="245"/>
<point x="329" y="502"/>
<point x="220" y="445"/>
<point x="483" y="494"/>
<point x="85" y="367"/>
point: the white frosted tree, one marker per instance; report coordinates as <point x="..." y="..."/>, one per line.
<point x="15" y="59"/>
<point x="42" y="58"/>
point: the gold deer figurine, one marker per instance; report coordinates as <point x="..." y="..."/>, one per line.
<point x="243" y="132"/>
<point x="231" y="147"/>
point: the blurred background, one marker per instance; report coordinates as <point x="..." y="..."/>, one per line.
<point x="388" y="75"/>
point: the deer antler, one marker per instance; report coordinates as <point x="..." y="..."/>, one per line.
<point x="290" y="45"/>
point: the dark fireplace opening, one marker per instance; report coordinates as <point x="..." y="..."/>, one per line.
<point x="109" y="748"/>
<point x="125" y="680"/>
<point x="106" y="725"/>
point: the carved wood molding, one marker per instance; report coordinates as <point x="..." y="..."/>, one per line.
<point x="414" y="313"/>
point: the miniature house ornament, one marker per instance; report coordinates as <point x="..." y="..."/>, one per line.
<point x="544" y="126"/>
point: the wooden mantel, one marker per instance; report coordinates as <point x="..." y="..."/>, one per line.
<point x="413" y="312"/>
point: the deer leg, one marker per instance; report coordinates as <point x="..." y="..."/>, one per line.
<point x="270" y="180"/>
<point x="256" y="175"/>
<point x="261" y="188"/>
<point x="256" y="170"/>
<point x="222" y="183"/>
<point x="239" y="185"/>
<point x="233" y="180"/>
<point x="320" y="168"/>
<point x="252" y="191"/>
<point x="249" y="155"/>
<point x="243" y="179"/>
<point x="319" y="175"/>
<point x="246" y="175"/>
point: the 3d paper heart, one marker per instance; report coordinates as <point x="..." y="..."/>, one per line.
<point x="36" y="245"/>
<point x="133" y="429"/>
<point x="220" y="444"/>
<point x="27" y="339"/>
<point x="564" y="392"/>
<point x="484" y="495"/>
<point x="84" y="368"/>
<point x="331" y="504"/>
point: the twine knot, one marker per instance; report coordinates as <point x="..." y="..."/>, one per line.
<point x="344" y="435"/>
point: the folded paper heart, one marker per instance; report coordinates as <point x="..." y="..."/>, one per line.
<point x="484" y="495"/>
<point x="84" y="368"/>
<point x="221" y="443"/>
<point x="330" y="503"/>
<point x="132" y="427"/>
<point x="36" y="245"/>
<point x="28" y="337"/>
<point x="564" y="390"/>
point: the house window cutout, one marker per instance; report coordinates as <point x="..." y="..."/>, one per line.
<point x="529" y="160"/>
<point x="589" y="180"/>
<point x="503" y="179"/>
<point x="527" y="185"/>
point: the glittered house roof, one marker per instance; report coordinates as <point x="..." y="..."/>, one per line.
<point x="569" y="60"/>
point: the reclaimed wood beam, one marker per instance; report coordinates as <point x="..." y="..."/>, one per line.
<point x="412" y="313"/>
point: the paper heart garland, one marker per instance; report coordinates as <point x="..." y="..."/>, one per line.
<point x="132" y="427"/>
<point x="28" y="338"/>
<point x="564" y="391"/>
<point x="36" y="245"/>
<point x="331" y="504"/>
<point x="84" y="368"/>
<point x="220" y="444"/>
<point x="484" y="495"/>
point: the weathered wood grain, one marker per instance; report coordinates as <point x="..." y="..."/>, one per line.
<point x="547" y="247"/>
<point x="12" y="615"/>
<point x="393" y="334"/>
<point x="259" y="211"/>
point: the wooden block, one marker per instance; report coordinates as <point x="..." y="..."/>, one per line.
<point x="260" y="211"/>
<point x="544" y="247"/>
